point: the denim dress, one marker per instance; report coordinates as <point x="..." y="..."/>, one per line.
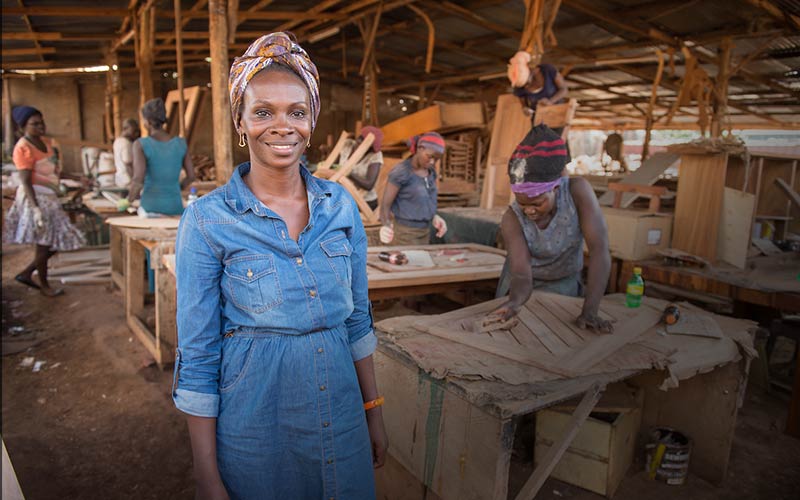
<point x="268" y="331"/>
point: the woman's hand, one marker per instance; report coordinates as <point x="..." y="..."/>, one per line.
<point x="211" y="489"/>
<point x="528" y="111"/>
<point x="386" y="234"/>
<point x="544" y="101"/>
<point x="506" y="311"/>
<point x="440" y="225"/>
<point x="377" y="436"/>
<point x="593" y="321"/>
<point x="38" y="218"/>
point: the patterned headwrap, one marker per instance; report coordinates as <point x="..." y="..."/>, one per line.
<point x="275" y="48"/>
<point x="375" y="131"/>
<point x="429" y="140"/>
<point x="537" y="163"/>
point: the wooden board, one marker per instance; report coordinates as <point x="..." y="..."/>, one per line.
<point x="509" y="128"/>
<point x="646" y="175"/>
<point x="556" y="115"/>
<point x="736" y="221"/>
<point x="698" y="205"/>
<point x="548" y="320"/>
<point x="772" y="199"/>
<point x="134" y="221"/>
<point x="438" y="118"/>
<point x="451" y="257"/>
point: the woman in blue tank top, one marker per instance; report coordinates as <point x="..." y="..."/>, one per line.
<point x="157" y="163"/>
<point x="544" y="230"/>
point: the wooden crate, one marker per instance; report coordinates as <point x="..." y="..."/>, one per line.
<point x="601" y="453"/>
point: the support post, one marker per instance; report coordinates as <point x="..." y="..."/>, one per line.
<point x="116" y="93"/>
<point x="221" y="109"/>
<point x="145" y="35"/>
<point x="8" y="125"/>
<point x="179" y="69"/>
<point x="721" y="87"/>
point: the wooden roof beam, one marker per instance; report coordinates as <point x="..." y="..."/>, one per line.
<point x="777" y="13"/>
<point x="30" y="28"/>
<point x="56" y="37"/>
<point x="121" y="13"/>
<point x="34" y="51"/>
<point x="610" y="18"/>
<point x="472" y="17"/>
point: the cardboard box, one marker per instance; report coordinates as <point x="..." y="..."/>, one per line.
<point x="637" y="235"/>
<point x="601" y="453"/>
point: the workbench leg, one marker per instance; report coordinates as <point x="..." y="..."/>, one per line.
<point x="166" y="310"/>
<point x="135" y="290"/>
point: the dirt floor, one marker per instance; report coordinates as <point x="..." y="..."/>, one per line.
<point x="96" y="419"/>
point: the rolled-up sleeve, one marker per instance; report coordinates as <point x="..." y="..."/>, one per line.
<point x="198" y="271"/>
<point x="359" y="324"/>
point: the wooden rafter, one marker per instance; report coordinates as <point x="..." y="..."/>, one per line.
<point x="472" y="17"/>
<point x="27" y="21"/>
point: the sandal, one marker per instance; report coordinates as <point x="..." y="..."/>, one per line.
<point x="26" y="281"/>
<point x="52" y="292"/>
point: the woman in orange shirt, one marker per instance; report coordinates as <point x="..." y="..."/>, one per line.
<point x="36" y="216"/>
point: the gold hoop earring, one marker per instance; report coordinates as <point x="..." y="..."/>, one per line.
<point x="308" y="145"/>
<point x="242" y="141"/>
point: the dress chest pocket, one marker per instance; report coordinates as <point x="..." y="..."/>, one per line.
<point x="253" y="283"/>
<point x="338" y="251"/>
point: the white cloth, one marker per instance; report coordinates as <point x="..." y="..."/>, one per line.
<point x="360" y="168"/>
<point x="123" y="153"/>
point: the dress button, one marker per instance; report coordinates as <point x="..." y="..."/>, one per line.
<point x="330" y="461"/>
<point x="326" y="424"/>
<point x="320" y="350"/>
<point x="249" y="273"/>
<point x="299" y="261"/>
<point x="313" y="293"/>
<point x="322" y="388"/>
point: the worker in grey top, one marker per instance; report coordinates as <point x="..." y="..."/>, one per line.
<point x="545" y="227"/>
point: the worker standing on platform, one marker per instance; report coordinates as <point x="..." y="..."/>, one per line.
<point x="36" y="216"/>
<point x="157" y="163"/>
<point x="545" y="227"/>
<point x="542" y="84"/>
<point x="275" y="338"/>
<point x="123" y="153"/>
<point x="410" y="195"/>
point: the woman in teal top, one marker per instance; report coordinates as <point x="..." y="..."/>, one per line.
<point x="157" y="163"/>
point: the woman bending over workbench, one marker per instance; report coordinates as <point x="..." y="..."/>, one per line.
<point x="410" y="195"/>
<point x="544" y="229"/>
<point x="275" y="339"/>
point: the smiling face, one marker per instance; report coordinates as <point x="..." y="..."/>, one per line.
<point x="276" y="118"/>
<point x="35" y="127"/>
<point x="538" y="207"/>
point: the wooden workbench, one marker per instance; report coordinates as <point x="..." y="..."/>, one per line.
<point x="122" y="227"/>
<point x="481" y="267"/>
<point x="771" y="281"/>
<point x="452" y="411"/>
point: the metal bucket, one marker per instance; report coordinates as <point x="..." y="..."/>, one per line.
<point x="667" y="456"/>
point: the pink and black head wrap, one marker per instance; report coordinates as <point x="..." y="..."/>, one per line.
<point x="428" y="140"/>
<point x="535" y="167"/>
<point x="275" y="48"/>
<point x="375" y="131"/>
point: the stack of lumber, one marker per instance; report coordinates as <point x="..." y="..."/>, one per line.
<point x="204" y="168"/>
<point x="81" y="267"/>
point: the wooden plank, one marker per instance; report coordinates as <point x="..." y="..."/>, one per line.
<point x="557" y="325"/>
<point x="134" y="221"/>
<point x="334" y="154"/>
<point x="354" y="158"/>
<point x="698" y="204"/>
<point x="565" y="315"/>
<point x="604" y="346"/>
<point x="736" y="222"/>
<point x="646" y="175"/>
<point x="439" y="117"/>
<point x="556" y="115"/>
<point x="542" y="332"/>
<point x="790" y="193"/>
<point x="548" y="463"/>
<point x="772" y="198"/>
<point x="510" y="127"/>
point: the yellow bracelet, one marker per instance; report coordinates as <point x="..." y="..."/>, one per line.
<point x="373" y="404"/>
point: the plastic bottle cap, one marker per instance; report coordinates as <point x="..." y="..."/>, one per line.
<point x="637" y="270"/>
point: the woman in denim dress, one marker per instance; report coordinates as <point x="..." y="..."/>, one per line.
<point x="275" y="341"/>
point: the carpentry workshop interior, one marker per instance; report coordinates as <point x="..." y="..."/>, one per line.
<point x="553" y="247"/>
